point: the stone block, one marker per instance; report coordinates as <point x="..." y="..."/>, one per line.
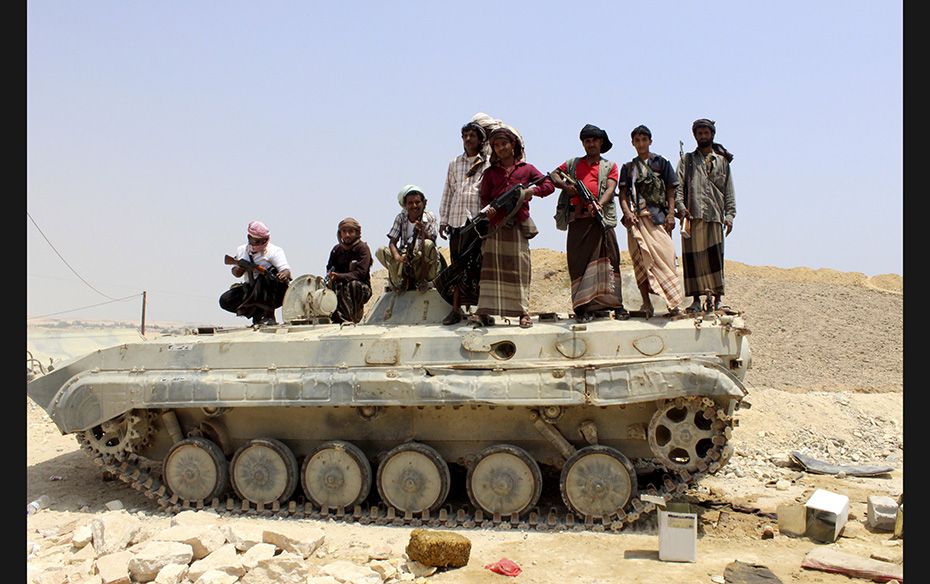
<point x="243" y="536"/>
<point x="171" y="574"/>
<point x="257" y="553"/>
<point x="150" y="557"/>
<point x="792" y="519"/>
<point x="294" y="538"/>
<point x="202" y="517"/>
<point x="438" y="548"/>
<point x="882" y="512"/>
<point x="82" y="536"/>
<point x="284" y="568"/>
<point x="114" y="568"/>
<point x="203" y="539"/>
<point x="216" y="577"/>
<point x="223" y="559"/>
<point x="113" y="531"/>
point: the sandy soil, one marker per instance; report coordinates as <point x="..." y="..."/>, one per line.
<point x="826" y="379"/>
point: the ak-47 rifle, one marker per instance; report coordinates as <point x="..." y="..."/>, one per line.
<point x="248" y="266"/>
<point x="585" y="194"/>
<point x="509" y="200"/>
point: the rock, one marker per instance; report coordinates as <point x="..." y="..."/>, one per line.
<point x="285" y="568"/>
<point x="899" y="523"/>
<point x="882" y="512"/>
<point x="718" y="579"/>
<point x="82" y="536"/>
<point x="223" y="559"/>
<point x="768" y="532"/>
<point x="150" y="557"/>
<point x="738" y="572"/>
<point x="113" y="531"/>
<point x="349" y="573"/>
<point x="216" y="577"/>
<point x="888" y="556"/>
<point x="203" y="539"/>
<point x="782" y="484"/>
<point x="114" y="505"/>
<point x="419" y="570"/>
<point x="294" y="538"/>
<point x="203" y="517"/>
<point x="85" y="553"/>
<point x="243" y="536"/>
<point x="322" y="580"/>
<point x="438" y="548"/>
<point x="385" y="569"/>
<point x="114" y="568"/>
<point x="171" y="574"/>
<point x="257" y="553"/>
<point x="381" y="552"/>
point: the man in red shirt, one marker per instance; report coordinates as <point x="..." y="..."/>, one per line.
<point x="592" y="250"/>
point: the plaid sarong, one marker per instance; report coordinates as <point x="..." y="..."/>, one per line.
<point x="593" y="265"/>
<point x="505" y="273"/>
<point x="351" y="297"/>
<point x="653" y="254"/>
<point x="702" y="258"/>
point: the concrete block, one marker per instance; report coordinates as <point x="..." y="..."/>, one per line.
<point x="827" y="513"/>
<point x="882" y="512"/>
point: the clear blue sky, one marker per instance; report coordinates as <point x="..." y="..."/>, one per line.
<point x="158" y="130"/>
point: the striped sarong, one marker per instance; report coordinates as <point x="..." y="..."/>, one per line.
<point x="505" y="273"/>
<point x="593" y="265"/>
<point x="653" y="254"/>
<point x="702" y="258"/>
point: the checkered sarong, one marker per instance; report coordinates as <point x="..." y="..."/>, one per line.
<point x="702" y="258"/>
<point x="593" y="265"/>
<point x="505" y="273"/>
<point x="653" y="254"/>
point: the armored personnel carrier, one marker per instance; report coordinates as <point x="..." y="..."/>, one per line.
<point x="558" y="425"/>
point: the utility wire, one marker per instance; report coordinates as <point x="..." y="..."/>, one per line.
<point x="84" y="307"/>
<point x="69" y="265"/>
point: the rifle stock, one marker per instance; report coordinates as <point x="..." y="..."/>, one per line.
<point x="244" y="264"/>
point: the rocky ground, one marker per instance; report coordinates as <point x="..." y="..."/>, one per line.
<point x="826" y="380"/>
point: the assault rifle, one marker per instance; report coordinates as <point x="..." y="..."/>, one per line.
<point x="585" y="194"/>
<point x="247" y="265"/>
<point x="509" y="200"/>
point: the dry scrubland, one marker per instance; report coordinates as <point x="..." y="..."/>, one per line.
<point x="826" y="379"/>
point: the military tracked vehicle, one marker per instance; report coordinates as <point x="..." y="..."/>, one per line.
<point x="379" y="422"/>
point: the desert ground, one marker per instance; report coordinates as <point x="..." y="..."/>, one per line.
<point x="826" y="379"/>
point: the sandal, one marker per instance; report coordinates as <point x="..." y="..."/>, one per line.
<point x="481" y="320"/>
<point x="621" y="313"/>
<point x="526" y="321"/>
<point x="674" y="312"/>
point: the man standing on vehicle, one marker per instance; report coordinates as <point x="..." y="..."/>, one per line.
<point x="591" y="249"/>
<point x="262" y="288"/>
<point x="460" y="201"/>
<point x="706" y="198"/>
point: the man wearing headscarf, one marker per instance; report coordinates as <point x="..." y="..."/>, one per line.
<point x="348" y="272"/>
<point x="647" y="198"/>
<point x="505" y="262"/>
<point x="706" y="200"/>
<point x="411" y="257"/>
<point x="591" y="249"/>
<point x="262" y="288"/>
<point x="459" y="204"/>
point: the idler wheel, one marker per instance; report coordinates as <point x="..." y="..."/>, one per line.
<point x="504" y="479"/>
<point x="263" y="471"/>
<point x="681" y="434"/>
<point x="413" y="477"/>
<point x="597" y="481"/>
<point x="195" y="470"/>
<point x="336" y="474"/>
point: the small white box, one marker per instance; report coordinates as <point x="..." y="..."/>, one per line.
<point x="677" y="536"/>
<point x="827" y="513"/>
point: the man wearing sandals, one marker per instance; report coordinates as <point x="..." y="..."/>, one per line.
<point x="591" y="247"/>
<point x="459" y="203"/>
<point x="705" y="197"/>
<point x="410" y="256"/>
<point x="647" y="199"/>
<point x="505" y="262"/>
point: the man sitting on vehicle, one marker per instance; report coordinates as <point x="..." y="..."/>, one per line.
<point x="265" y="275"/>
<point x="411" y="257"/>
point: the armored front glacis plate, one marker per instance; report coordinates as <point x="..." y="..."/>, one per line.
<point x="400" y="419"/>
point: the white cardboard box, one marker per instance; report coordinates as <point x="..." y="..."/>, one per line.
<point x="827" y="513"/>
<point x="677" y="536"/>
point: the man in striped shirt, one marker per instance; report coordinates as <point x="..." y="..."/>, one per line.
<point x="460" y="202"/>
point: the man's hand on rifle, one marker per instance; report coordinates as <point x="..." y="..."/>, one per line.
<point x="284" y="275"/>
<point x="669" y="223"/>
<point x="444" y="230"/>
<point x="630" y="219"/>
<point x="237" y="271"/>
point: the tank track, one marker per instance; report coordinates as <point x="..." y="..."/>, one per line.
<point x="130" y="469"/>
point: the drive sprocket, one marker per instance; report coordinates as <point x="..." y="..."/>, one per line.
<point x="125" y="434"/>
